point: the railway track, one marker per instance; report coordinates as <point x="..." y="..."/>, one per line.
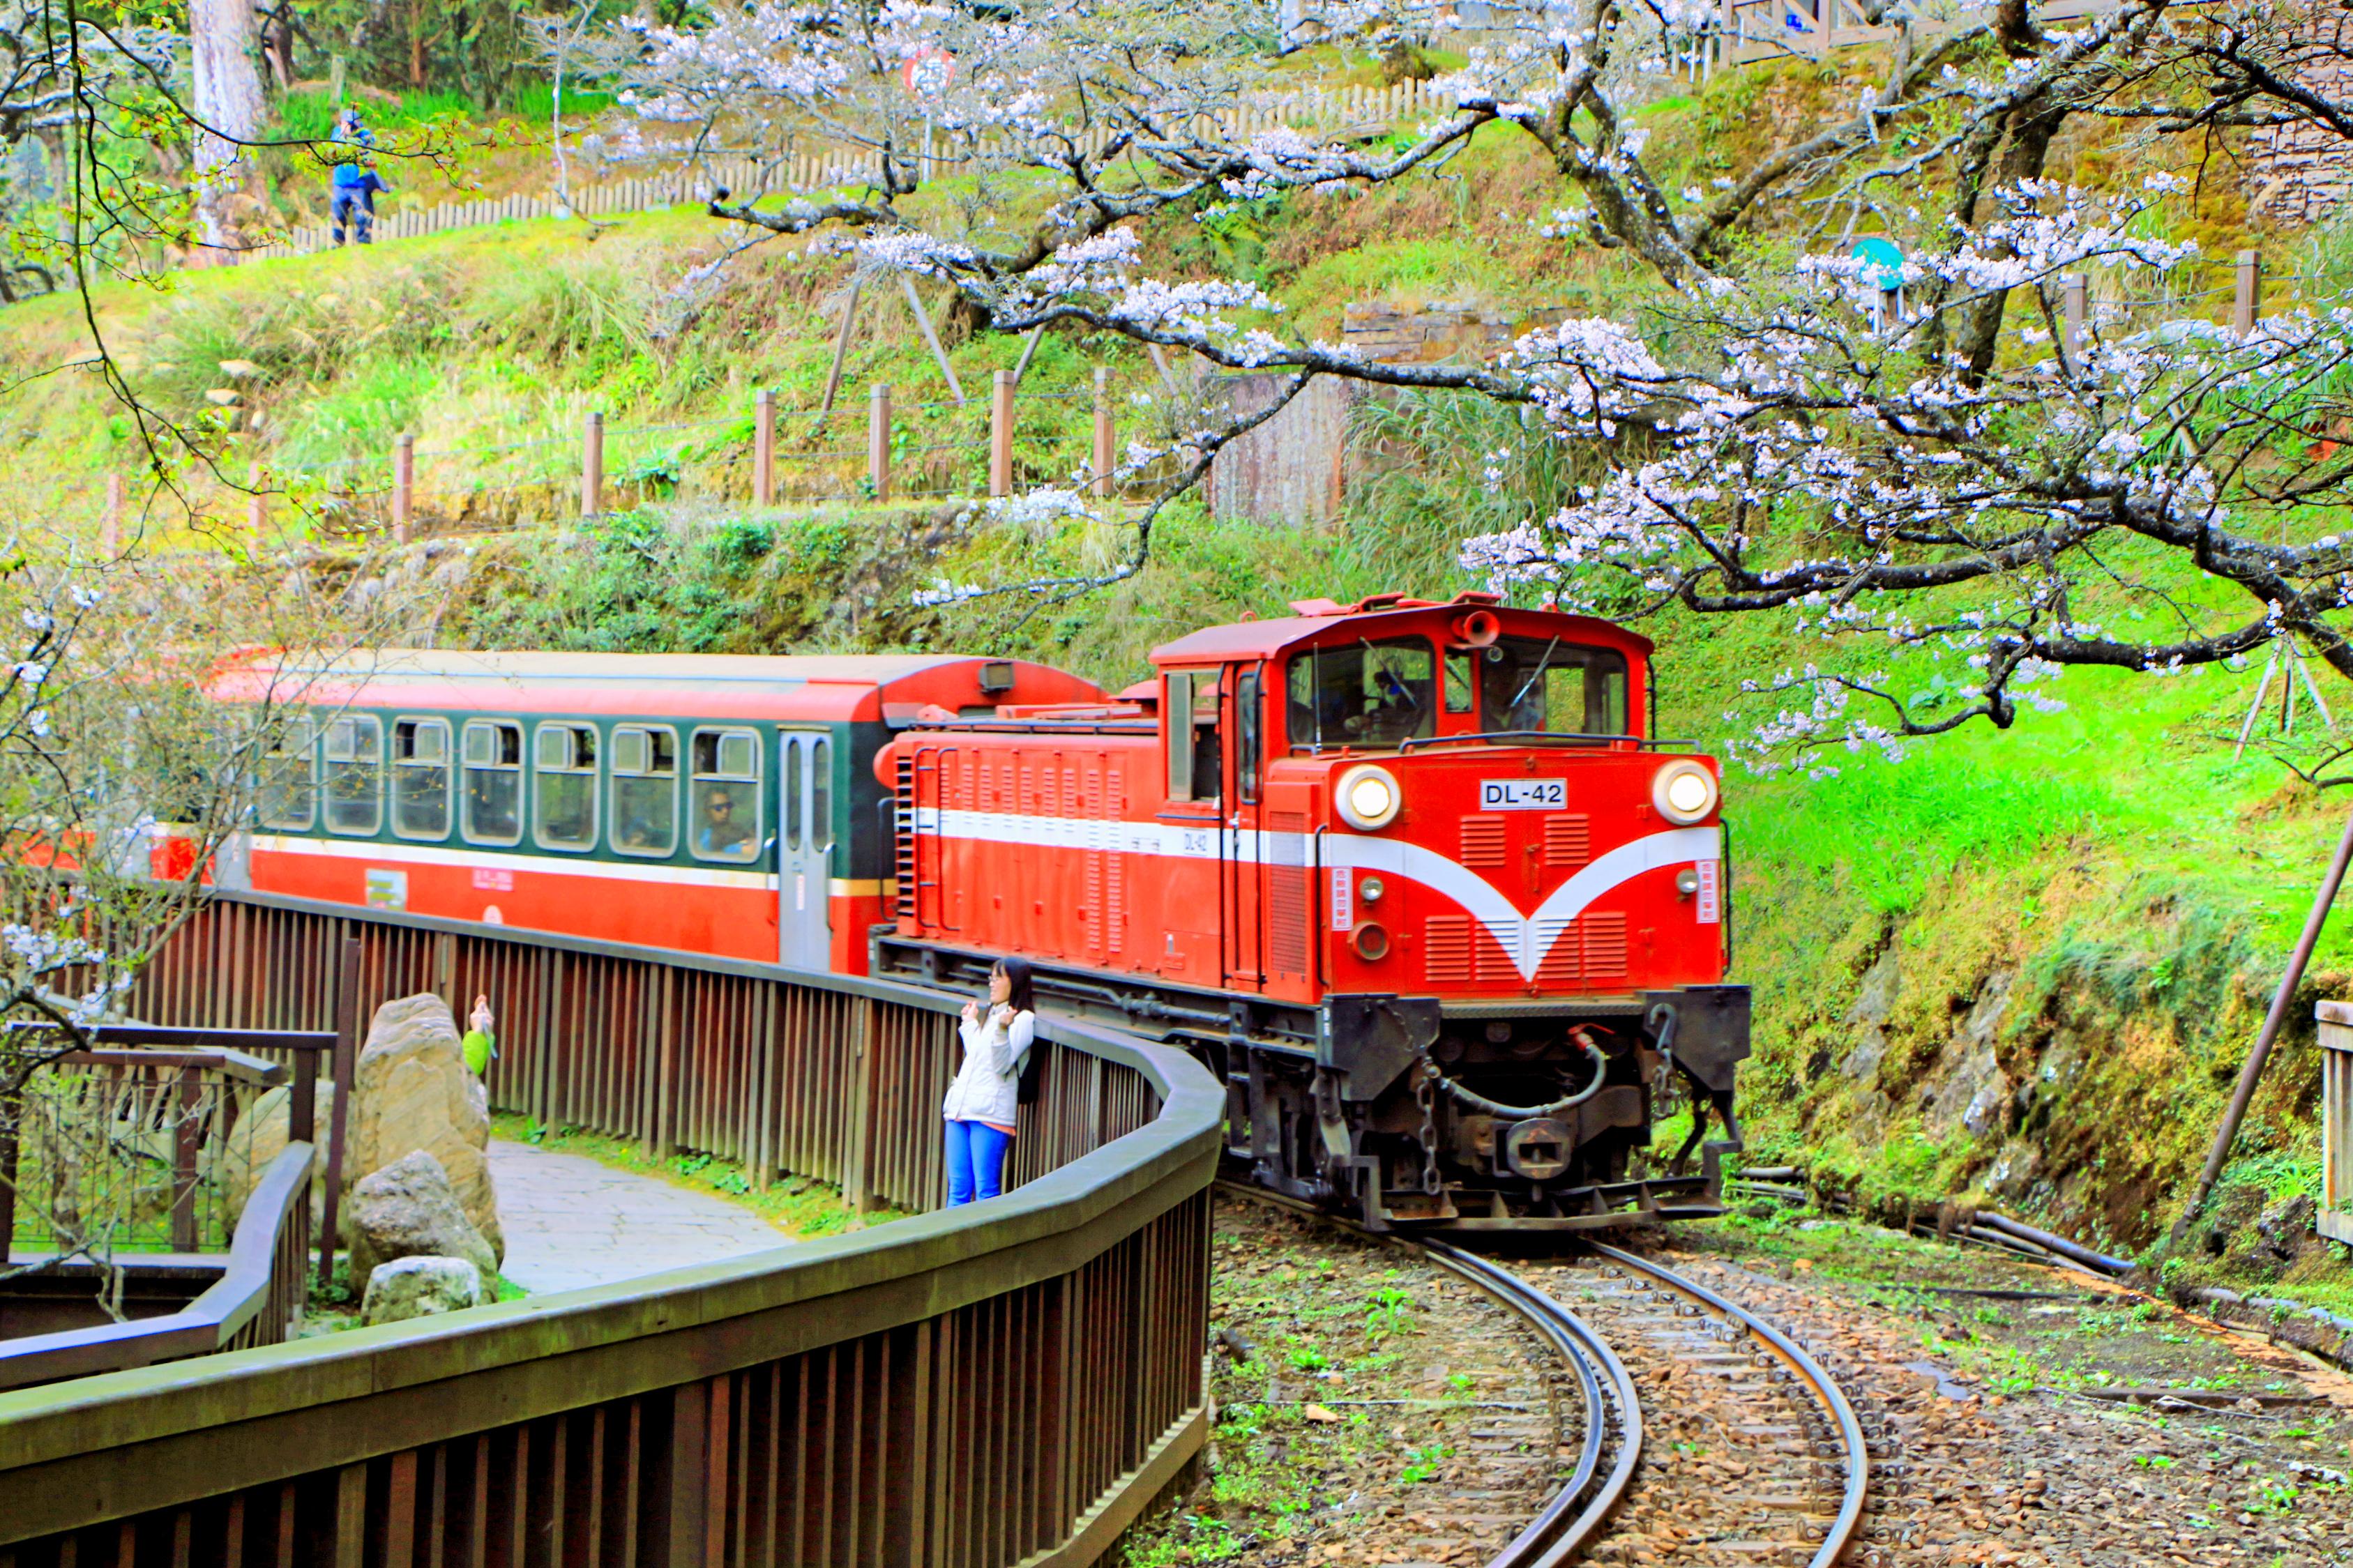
<point x="1717" y="1379"/>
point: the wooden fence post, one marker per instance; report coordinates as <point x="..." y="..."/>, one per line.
<point x="2072" y="291"/>
<point x="840" y="349"/>
<point x="1000" y="434"/>
<point x="109" y="527"/>
<point x="256" y="506"/>
<point x="878" y="440"/>
<point x="1102" y="431"/>
<point x="404" y="486"/>
<point x="2246" y="297"/>
<point x="345" y="1068"/>
<point x="764" y="447"/>
<point x="592" y="467"/>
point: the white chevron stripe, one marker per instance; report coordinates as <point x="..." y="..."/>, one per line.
<point x="1526" y="938"/>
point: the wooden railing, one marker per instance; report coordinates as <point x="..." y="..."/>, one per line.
<point x="256" y="1299"/>
<point x="1006" y="1383"/>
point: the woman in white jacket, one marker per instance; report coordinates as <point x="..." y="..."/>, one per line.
<point x="985" y="1099"/>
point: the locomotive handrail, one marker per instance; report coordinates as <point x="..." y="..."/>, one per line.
<point x="1092" y="1275"/>
<point x="1633" y="742"/>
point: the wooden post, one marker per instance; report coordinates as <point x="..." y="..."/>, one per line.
<point x="939" y="355"/>
<point x="840" y="348"/>
<point x="338" y="1115"/>
<point x="592" y="467"/>
<point x="109" y="534"/>
<point x="404" y="486"/>
<point x="878" y="440"/>
<point x="256" y="506"/>
<point x="2071" y="292"/>
<point x="2335" y="1219"/>
<point x="764" y="447"/>
<point x="1028" y="351"/>
<point x="1000" y="434"/>
<point x="189" y="1137"/>
<point x="2246" y="297"/>
<point x="1103" y="460"/>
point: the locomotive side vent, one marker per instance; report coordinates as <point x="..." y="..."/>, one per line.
<point x="1589" y="949"/>
<point x="1446" y="949"/>
<point x="1286" y="908"/>
<point x="1482" y="841"/>
<point x="1568" y="839"/>
<point x="1604" y="946"/>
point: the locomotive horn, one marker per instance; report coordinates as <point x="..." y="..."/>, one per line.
<point x="1480" y="628"/>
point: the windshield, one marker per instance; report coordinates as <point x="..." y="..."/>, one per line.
<point x="1363" y="693"/>
<point x="1544" y="683"/>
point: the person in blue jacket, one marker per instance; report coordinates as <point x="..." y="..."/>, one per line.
<point x="355" y="181"/>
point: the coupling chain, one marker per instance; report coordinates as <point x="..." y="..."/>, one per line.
<point x="1425" y="1094"/>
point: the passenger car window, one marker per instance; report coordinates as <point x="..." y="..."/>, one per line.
<point x="644" y="789"/>
<point x="565" y="766"/>
<point x="356" y="774"/>
<point x="1544" y="683"/>
<point x="288" y="797"/>
<point x="492" y="808"/>
<point x="421" y="778"/>
<point x="726" y="795"/>
<point x="1362" y="693"/>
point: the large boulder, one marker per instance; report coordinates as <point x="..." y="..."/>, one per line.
<point x="409" y="1210"/>
<point x="420" y="1286"/>
<point x="415" y="1094"/>
<point x="261" y="1134"/>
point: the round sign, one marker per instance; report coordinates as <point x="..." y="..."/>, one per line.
<point x="1883" y="264"/>
<point x="927" y="75"/>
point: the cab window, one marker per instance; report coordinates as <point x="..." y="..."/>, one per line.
<point x="356" y="774"/>
<point x="564" y="765"/>
<point x="1195" y="761"/>
<point x="491" y="809"/>
<point x="1362" y="693"/>
<point x="726" y="795"/>
<point x="644" y="789"/>
<point x="1249" y="723"/>
<point x="421" y="778"/>
<point x="289" y="796"/>
<point x="1545" y="683"/>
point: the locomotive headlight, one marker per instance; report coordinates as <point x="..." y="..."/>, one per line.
<point x="1683" y="791"/>
<point x="1368" y="797"/>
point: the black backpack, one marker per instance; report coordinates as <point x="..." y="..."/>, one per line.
<point x="1031" y="1070"/>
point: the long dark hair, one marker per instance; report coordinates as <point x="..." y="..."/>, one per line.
<point x="1020" y="993"/>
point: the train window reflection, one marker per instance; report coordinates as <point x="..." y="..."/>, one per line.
<point x="491" y="812"/>
<point x="1363" y="693"/>
<point x="288" y="794"/>
<point x="356" y="774"/>
<point x="726" y="793"/>
<point x="1544" y="683"/>
<point x="565" y="786"/>
<point x="821" y="796"/>
<point x="421" y="778"/>
<point x="644" y="789"/>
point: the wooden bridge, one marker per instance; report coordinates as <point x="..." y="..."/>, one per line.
<point x="1005" y="1383"/>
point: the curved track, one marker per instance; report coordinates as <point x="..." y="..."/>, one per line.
<point x="1609" y="1450"/>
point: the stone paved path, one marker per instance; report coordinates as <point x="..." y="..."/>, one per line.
<point x="572" y="1222"/>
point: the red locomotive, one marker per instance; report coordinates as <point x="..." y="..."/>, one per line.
<point x="1412" y="876"/>
<point x="1415" y="879"/>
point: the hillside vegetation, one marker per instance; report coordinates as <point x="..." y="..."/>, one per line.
<point x="2020" y="966"/>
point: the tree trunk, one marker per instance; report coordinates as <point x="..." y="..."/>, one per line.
<point x="417" y="42"/>
<point x="228" y="102"/>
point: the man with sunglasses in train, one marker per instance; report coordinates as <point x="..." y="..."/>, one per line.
<point x="722" y="836"/>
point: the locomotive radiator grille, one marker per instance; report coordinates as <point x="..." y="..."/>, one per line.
<point x="1568" y="840"/>
<point x="1286" y="878"/>
<point x="1482" y="841"/>
<point x="1446" y="949"/>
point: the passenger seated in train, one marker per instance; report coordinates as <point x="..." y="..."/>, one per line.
<point x="723" y="835"/>
<point x="1372" y="694"/>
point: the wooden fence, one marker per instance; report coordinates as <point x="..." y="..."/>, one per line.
<point x="1005" y="1383"/>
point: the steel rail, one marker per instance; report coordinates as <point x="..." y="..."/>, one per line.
<point x="1561" y="1529"/>
<point x="1808" y="1371"/>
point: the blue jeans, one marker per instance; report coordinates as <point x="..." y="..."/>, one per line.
<point x="975" y="1161"/>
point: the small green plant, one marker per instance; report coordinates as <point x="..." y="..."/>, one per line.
<point x="1306" y="1357"/>
<point x="534" y="1131"/>
<point x="1388" y="1312"/>
<point x="1423" y="1464"/>
<point x="1458" y="1382"/>
<point x="732" y="1181"/>
<point x="2274" y="1496"/>
<point x="2154" y="1461"/>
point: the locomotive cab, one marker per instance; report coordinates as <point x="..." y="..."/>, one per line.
<point x="1415" y="877"/>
